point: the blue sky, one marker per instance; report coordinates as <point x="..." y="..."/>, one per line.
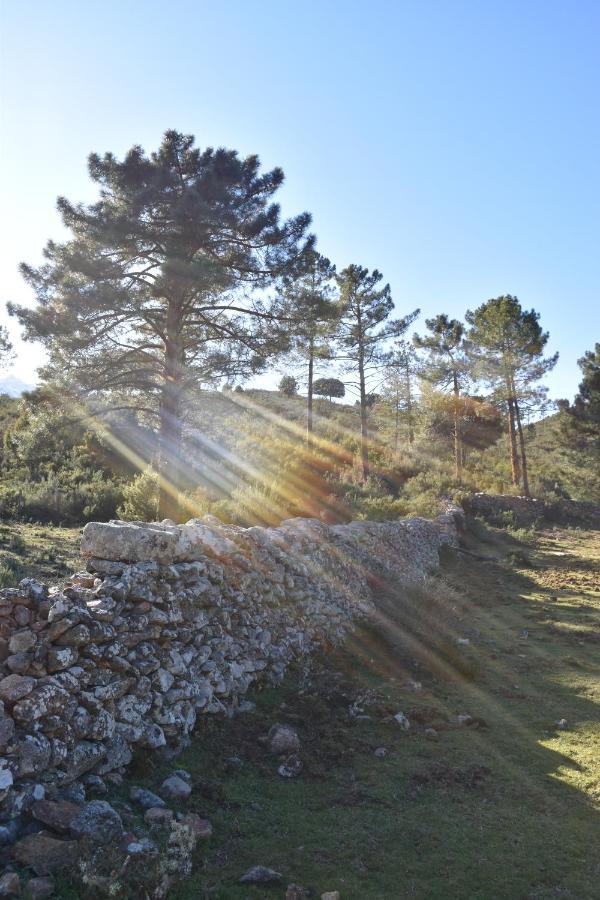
<point x="453" y="145"/>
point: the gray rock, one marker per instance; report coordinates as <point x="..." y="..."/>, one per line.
<point x="282" y="739"/>
<point x="175" y="788"/>
<point x="40" y="888"/>
<point x="14" y="687"/>
<point x="45" y="854"/>
<point x="98" y="822"/>
<point x="130" y="541"/>
<point x="10" y="885"/>
<point x="260" y="875"/>
<point x="145" y="798"/>
<point x="402" y="721"/>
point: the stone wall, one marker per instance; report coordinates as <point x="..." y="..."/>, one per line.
<point x="169" y="622"/>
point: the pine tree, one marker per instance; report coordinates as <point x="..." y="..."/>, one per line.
<point x="310" y="308"/>
<point x="401" y="369"/>
<point x="364" y="331"/>
<point x="447" y="368"/>
<point x="329" y="387"/>
<point x="156" y="290"/>
<point x="6" y="348"/>
<point x="507" y="344"/>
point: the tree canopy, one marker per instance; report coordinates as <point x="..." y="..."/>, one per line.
<point x="157" y="289"/>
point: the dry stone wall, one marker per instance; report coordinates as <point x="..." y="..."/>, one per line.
<point x="170" y="622"/>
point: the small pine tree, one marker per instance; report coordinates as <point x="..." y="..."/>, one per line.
<point x="363" y="332"/>
<point x="288" y="386"/>
<point x="446" y="368"/>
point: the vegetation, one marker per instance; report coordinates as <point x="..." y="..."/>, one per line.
<point x="183" y="279"/>
<point x="156" y="289"/>
<point x="505" y="806"/>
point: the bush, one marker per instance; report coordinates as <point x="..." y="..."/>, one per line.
<point x="54" y="501"/>
<point x="140" y="498"/>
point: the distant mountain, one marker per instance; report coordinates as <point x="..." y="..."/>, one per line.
<point x="14" y="386"/>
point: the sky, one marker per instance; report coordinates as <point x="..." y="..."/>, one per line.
<point x="453" y="145"/>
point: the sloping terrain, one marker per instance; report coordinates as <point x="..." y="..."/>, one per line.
<point x="503" y="802"/>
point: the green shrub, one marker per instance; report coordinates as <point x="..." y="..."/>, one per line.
<point x="10" y="573"/>
<point x="140" y="498"/>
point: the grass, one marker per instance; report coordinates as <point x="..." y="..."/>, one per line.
<point x="505" y="808"/>
<point x="46" y="552"/>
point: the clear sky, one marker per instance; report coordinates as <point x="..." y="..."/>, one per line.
<point x="453" y="145"/>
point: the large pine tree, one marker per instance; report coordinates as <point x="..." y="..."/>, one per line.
<point x="507" y="343"/>
<point x="156" y="289"/>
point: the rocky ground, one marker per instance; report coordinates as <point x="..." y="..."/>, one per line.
<point x="449" y="750"/>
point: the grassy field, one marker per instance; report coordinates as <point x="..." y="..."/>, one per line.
<point x="505" y="807"/>
<point x="46" y="552"/>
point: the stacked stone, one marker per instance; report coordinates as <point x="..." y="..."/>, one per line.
<point x="171" y="621"/>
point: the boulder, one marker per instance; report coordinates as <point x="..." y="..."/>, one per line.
<point x="130" y="541"/>
<point x="14" y="687"/>
<point x="98" y="822"/>
<point x="56" y="814"/>
<point x="44" y="853"/>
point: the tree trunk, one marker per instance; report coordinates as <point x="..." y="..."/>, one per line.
<point x="409" y="412"/>
<point x="522" y="448"/>
<point x="169" y="458"/>
<point x="309" y="397"/>
<point x="364" y="431"/>
<point x="512" y="443"/>
<point x="457" y="437"/>
<point x="397" y="429"/>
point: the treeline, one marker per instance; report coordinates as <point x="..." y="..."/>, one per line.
<point x="184" y="277"/>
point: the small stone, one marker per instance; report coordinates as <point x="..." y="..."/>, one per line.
<point x="200" y="828"/>
<point x="291" y="767"/>
<point x="96" y="784"/>
<point x="158" y="816"/>
<point x="296" y="892"/>
<point x="431" y="734"/>
<point x="60" y="659"/>
<point x="465" y="720"/>
<point x="40" y="888"/>
<point x="562" y="724"/>
<point x="412" y="685"/>
<point x="99" y="822"/>
<point x="402" y="721"/>
<point x="380" y="752"/>
<point x="146" y="799"/>
<point x="143" y="847"/>
<point x="22" y="642"/>
<point x="260" y="875"/>
<point x="34" y="590"/>
<point x="175" y="788"/>
<point x="282" y="739"/>
<point x="182" y="773"/>
<point x="330" y="895"/>
<point x="14" y="687"/>
<point x="10" y="885"/>
<point x="45" y="854"/>
<point x="463" y="642"/>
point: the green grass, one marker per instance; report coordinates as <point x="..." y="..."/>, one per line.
<point x="508" y="809"/>
<point x="46" y="552"/>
